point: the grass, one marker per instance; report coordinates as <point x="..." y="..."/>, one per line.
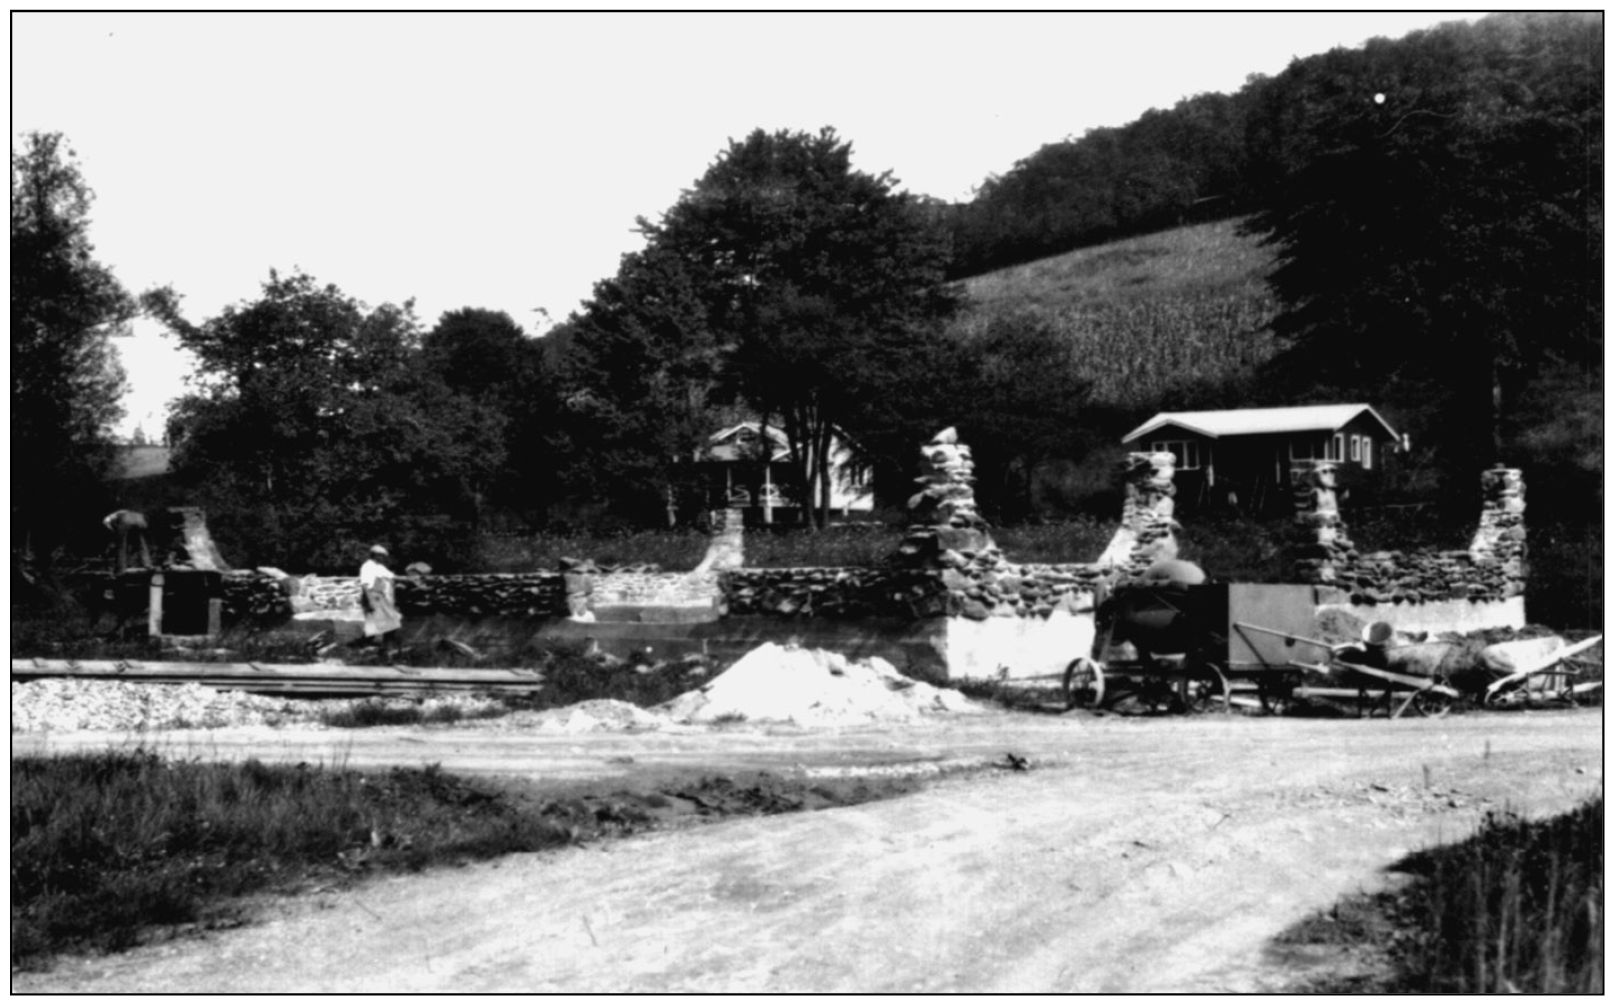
<point x="114" y="849"/>
<point x="386" y="712"/>
<point x="107" y="847"/>
<point x="1517" y="908"/>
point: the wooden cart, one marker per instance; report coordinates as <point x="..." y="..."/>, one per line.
<point x="1199" y="647"/>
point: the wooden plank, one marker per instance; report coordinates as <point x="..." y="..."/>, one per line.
<point x="128" y="670"/>
<point x="300" y="679"/>
<point x="1406" y="680"/>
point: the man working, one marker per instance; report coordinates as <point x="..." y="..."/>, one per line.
<point x="126" y="524"/>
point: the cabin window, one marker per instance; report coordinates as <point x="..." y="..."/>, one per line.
<point x="1338" y="444"/>
<point x="1189" y="454"/>
<point x="1313" y="447"/>
<point x="1367" y="452"/>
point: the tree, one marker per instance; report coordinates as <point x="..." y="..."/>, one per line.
<point x="819" y="284"/>
<point x="1439" y="207"/>
<point x="1030" y="403"/>
<point x="66" y="382"/>
<point x="642" y="369"/>
<point x="314" y="425"/>
<point x="483" y="357"/>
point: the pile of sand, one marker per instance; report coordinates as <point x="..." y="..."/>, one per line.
<point x="590" y="716"/>
<point x="812" y="687"/>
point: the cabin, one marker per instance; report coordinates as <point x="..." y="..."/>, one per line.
<point x="748" y="467"/>
<point x="1243" y="457"/>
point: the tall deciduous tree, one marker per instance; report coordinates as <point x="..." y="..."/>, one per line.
<point x="642" y="366"/>
<point x="314" y="425"/>
<point x="485" y="358"/>
<point x="66" y="382"/>
<point x="821" y="284"/>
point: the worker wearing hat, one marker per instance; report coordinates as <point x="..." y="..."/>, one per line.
<point x="377" y="597"/>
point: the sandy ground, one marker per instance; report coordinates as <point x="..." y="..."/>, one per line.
<point x="1135" y="855"/>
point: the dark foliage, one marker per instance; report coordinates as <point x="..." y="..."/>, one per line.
<point x="65" y="378"/>
<point x="318" y="427"/>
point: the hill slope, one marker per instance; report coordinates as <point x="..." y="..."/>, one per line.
<point x="1155" y="318"/>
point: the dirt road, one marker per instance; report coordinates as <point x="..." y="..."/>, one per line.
<point x="1135" y="855"/>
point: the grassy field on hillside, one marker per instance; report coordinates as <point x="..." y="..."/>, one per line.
<point x="1151" y="314"/>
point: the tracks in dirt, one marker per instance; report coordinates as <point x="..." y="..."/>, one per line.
<point x="1133" y="855"/>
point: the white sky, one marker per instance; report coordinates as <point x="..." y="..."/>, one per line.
<point x="500" y="160"/>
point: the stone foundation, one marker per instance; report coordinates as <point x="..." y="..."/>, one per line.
<point x="950" y="605"/>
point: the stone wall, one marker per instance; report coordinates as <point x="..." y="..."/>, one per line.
<point x="255" y="596"/>
<point x="948" y="566"/>
<point x="1491" y="569"/>
<point x="834" y="592"/>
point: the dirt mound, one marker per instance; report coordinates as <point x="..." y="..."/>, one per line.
<point x="812" y="687"/>
<point x="590" y="716"/>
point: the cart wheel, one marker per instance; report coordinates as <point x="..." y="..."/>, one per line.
<point x="1209" y="692"/>
<point x="1083" y="684"/>
<point x="1277" y="696"/>
<point x="1432" y="704"/>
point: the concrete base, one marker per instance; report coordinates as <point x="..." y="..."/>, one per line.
<point x="1461" y="616"/>
<point x="1015" y="648"/>
<point x="936" y="649"/>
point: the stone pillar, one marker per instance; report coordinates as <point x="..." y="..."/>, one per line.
<point x="192" y="544"/>
<point x="1323" y="552"/>
<point x="1147" y="527"/>
<point x="944" y="515"/>
<point x="1499" y="542"/>
<point x="726" y="546"/>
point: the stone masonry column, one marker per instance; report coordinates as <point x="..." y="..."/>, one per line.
<point x="1324" y="552"/>
<point x="943" y="514"/>
<point x="1147" y="527"/>
<point x="1499" y="543"/>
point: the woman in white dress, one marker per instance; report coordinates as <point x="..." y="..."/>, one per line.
<point x="377" y="596"/>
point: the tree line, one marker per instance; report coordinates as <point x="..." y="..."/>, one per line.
<point x="1435" y="203"/>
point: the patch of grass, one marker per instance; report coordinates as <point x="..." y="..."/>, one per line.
<point x="1517" y="908"/>
<point x="106" y="848"/>
<point x="395" y="712"/>
<point x="114" y="849"/>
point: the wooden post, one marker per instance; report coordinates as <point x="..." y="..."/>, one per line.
<point x="154" y="606"/>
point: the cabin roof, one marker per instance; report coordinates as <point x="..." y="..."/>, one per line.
<point x="1261" y="420"/>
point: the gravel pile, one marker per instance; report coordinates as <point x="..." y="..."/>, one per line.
<point x="590" y="716"/>
<point x="62" y="704"/>
<point x="813" y="688"/>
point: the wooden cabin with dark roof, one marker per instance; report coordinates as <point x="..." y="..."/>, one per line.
<point x="1243" y="457"/>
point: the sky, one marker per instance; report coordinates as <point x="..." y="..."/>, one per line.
<point x="500" y="161"/>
